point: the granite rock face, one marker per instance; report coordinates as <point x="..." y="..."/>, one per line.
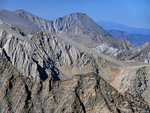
<point x="83" y="93"/>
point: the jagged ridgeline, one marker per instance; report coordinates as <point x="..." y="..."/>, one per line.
<point x="57" y="66"/>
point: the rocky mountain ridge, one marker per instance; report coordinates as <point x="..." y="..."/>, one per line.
<point x="46" y="53"/>
<point x="42" y="52"/>
<point x="73" y="26"/>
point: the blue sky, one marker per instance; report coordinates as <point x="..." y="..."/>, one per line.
<point x="134" y="13"/>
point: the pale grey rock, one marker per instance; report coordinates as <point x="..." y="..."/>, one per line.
<point x="110" y="51"/>
<point x="43" y="55"/>
<point x="114" y="51"/>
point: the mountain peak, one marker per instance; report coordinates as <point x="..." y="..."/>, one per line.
<point x="20" y="11"/>
<point x="78" y="13"/>
<point x="83" y="21"/>
<point x="3" y="10"/>
<point x="75" y="17"/>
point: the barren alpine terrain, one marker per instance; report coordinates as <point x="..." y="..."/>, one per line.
<point x="69" y="65"/>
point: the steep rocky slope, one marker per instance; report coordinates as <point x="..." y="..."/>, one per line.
<point x="83" y="93"/>
<point x="44" y="51"/>
<point x="141" y="53"/>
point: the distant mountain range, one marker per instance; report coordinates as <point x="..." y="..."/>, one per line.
<point x="136" y="39"/>
<point x="121" y="27"/>
<point x="138" y="36"/>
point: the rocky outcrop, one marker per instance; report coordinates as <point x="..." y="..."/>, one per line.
<point x="141" y="53"/>
<point x="134" y="80"/>
<point x="114" y="51"/>
<point x="83" y="93"/>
